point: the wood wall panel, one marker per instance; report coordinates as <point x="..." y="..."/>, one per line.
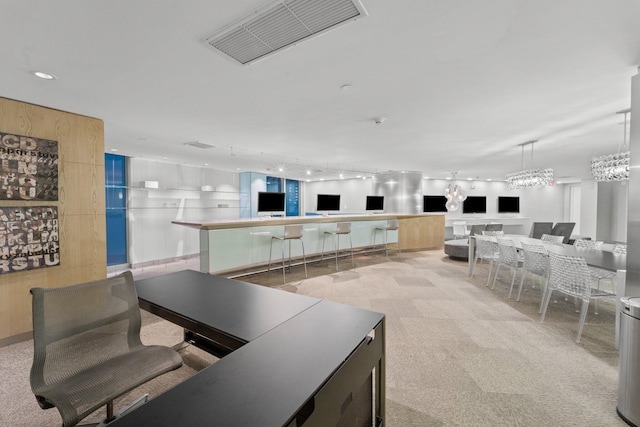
<point x="421" y="232"/>
<point x="81" y="207"/>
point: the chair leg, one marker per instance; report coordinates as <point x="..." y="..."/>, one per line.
<point x="337" y="243"/>
<point x="269" y="266"/>
<point x="475" y="264"/>
<point x="284" y="280"/>
<point x="545" y="304"/>
<point x="489" y="275"/>
<point x="545" y="286"/>
<point x="513" y="279"/>
<point x="353" y="264"/>
<point x="386" y="248"/>
<point x="523" y="272"/>
<point x="583" y="317"/>
<point x="324" y="237"/>
<point x="495" y="276"/>
<point x="304" y="259"/>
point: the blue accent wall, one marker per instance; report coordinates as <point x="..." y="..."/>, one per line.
<point x="116" y="203"/>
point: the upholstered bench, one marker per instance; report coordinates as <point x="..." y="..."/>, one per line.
<point x="457" y="249"/>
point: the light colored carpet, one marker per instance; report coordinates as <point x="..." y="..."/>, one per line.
<point x="458" y="353"/>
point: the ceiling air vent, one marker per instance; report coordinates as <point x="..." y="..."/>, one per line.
<point x="281" y="25"/>
<point x="199" y="144"/>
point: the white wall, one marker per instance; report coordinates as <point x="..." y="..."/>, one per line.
<point x="543" y="204"/>
<point x="546" y="204"/>
<point x="151" y="236"/>
<point x="588" y="209"/>
<point x="352" y="192"/>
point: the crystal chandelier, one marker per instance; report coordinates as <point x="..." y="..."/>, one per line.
<point x="529" y="178"/>
<point x="613" y="167"/>
<point x="454" y="194"/>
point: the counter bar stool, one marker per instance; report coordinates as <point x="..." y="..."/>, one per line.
<point x="392" y="225"/>
<point x="341" y="229"/>
<point x="291" y="232"/>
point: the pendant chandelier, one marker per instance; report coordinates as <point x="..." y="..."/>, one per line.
<point x="529" y="178"/>
<point x="613" y="167"/>
<point x="454" y="194"/>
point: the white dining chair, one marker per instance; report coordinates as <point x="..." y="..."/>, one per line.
<point x="509" y="257"/>
<point x="535" y="261"/>
<point x="570" y="275"/>
<point x="486" y="249"/>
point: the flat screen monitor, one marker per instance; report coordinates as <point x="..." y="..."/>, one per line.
<point x="474" y="204"/>
<point x="508" y="204"/>
<point x="328" y="202"/>
<point x="434" y="204"/>
<point x="375" y="203"/>
<point x="270" y="201"/>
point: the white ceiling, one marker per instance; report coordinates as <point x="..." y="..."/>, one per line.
<point x="460" y="82"/>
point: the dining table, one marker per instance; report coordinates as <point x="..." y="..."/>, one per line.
<point x="602" y="259"/>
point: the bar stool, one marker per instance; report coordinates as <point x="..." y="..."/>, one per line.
<point x="392" y="225"/>
<point x="291" y="232"/>
<point x="342" y="228"/>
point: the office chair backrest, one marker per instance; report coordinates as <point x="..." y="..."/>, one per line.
<point x="493" y="227"/>
<point x="563" y="229"/>
<point x="100" y="318"/>
<point x="477" y="229"/>
<point x="540" y="228"/>
<point x="87" y="348"/>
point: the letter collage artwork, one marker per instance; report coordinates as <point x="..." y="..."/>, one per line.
<point x="28" y="168"/>
<point x="28" y="238"/>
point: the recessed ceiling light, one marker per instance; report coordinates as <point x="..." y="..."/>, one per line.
<point x="44" y="76"/>
<point x="489" y="179"/>
<point x="206" y="164"/>
<point x="115" y="150"/>
<point x="347" y="87"/>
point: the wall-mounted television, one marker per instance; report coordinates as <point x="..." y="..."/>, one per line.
<point x="328" y="202"/>
<point x="434" y="204"/>
<point x="270" y="201"/>
<point x="474" y="204"/>
<point x="508" y="204"/>
<point x="375" y="203"/>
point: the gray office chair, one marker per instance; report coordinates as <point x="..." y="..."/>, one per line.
<point x="540" y="228"/>
<point x="343" y="228"/>
<point x="291" y="232"/>
<point x="563" y="229"/>
<point x="493" y="227"/>
<point x="392" y="225"/>
<point x="476" y="229"/>
<point x="87" y="348"/>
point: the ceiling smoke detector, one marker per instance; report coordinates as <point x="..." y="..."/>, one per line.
<point x="282" y="25"/>
<point x="379" y="120"/>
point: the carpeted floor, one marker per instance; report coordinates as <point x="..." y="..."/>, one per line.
<point x="458" y="353"/>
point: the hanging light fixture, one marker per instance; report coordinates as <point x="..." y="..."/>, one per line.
<point x="613" y="167"/>
<point x="529" y="178"/>
<point x="454" y="194"/>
